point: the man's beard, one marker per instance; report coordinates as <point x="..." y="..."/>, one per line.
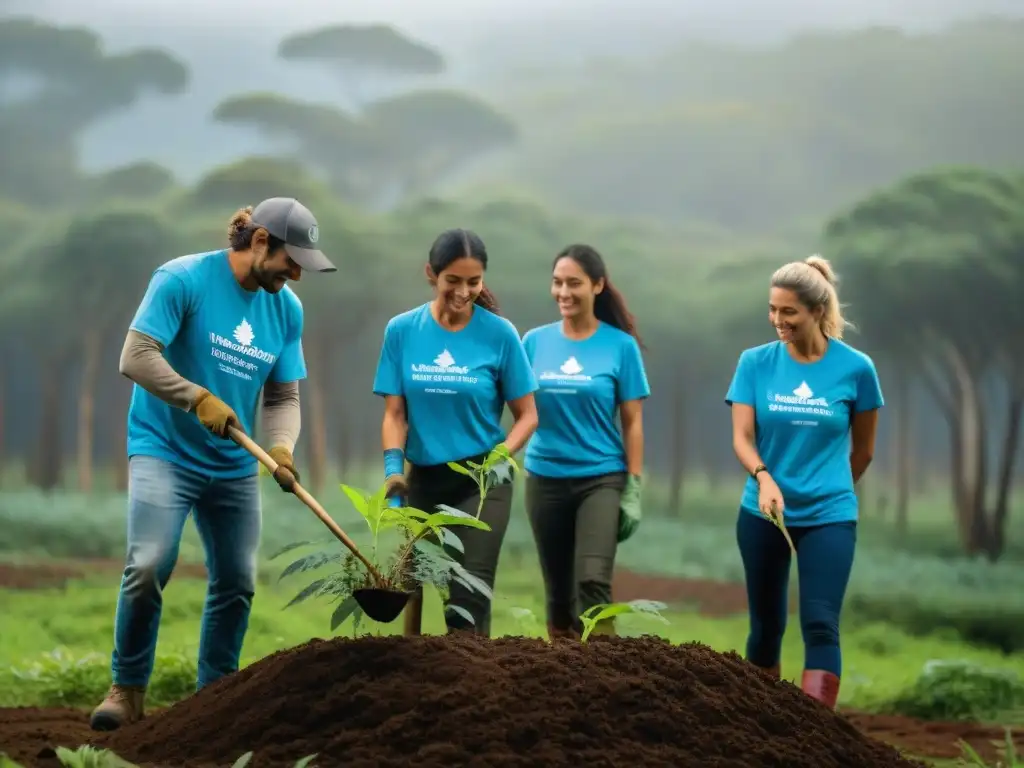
<point x="268" y="280"/>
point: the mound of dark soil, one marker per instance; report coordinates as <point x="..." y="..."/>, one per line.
<point x="468" y="701"/>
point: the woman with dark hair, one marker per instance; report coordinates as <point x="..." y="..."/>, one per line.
<point x="447" y="368"/>
<point x="584" y="473"/>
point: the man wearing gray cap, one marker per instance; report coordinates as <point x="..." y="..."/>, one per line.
<point x="212" y="332"/>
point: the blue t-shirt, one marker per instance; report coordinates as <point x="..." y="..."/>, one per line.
<point x="803" y="413"/>
<point x="223" y="338"/>
<point x="455" y="383"/>
<point x="582" y="384"/>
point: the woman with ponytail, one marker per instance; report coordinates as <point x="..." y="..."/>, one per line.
<point x="446" y="370"/>
<point x="584" y="473"/>
<point x="804" y="416"/>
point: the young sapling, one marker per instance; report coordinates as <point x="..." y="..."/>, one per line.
<point x="595" y="614"/>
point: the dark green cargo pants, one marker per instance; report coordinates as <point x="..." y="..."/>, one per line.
<point x="430" y="486"/>
<point x="575" y="524"/>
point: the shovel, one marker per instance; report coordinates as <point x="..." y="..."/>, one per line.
<point x="776" y="518"/>
<point x="380" y="603"/>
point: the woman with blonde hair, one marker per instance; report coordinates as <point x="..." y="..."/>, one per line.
<point x="804" y="417"/>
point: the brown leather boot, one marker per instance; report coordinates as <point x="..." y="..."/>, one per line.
<point x="775" y="671"/>
<point x="821" y="685"/>
<point x="123" y="705"/>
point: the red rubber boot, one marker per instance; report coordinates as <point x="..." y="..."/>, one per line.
<point x="821" y="685"/>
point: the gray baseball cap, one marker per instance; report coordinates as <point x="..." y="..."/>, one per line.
<point x="289" y="220"/>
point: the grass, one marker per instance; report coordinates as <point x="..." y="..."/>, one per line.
<point x="880" y="661"/>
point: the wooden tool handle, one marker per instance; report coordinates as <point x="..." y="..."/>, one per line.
<point x="264" y="458"/>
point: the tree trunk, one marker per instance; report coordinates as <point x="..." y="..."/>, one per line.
<point x="904" y="453"/>
<point x="1011" y="446"/>
<point x="971" y="444"/>
<point x="49" y="456"/>
<point x="120" y="434"/>
<point x="91" y="347"/>
<point x="316" y="389"/>
<point x="677" y="471"/>
<point x="3" y="402"/>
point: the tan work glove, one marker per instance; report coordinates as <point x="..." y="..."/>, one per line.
<point x="286" y="475"/>
<point x="214" y="414"/>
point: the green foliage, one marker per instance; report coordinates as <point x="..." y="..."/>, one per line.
<point x="497" y="468"/>
<point x="956" y="690"/>
<point x="592" y="617"/>
<point x="423" y="556"/>
<point x="60" y="679"/>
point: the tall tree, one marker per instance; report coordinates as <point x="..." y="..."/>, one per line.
<point x="940" y="258"/>
<point x="69" y="83"/>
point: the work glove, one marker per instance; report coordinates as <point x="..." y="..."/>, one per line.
<point x="629" y="508"/>
<point x="500" y="473"/>
<point x="286" y="475"/>
<point x="214" y="414"/>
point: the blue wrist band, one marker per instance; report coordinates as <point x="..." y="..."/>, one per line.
<point x="394" y="462"/>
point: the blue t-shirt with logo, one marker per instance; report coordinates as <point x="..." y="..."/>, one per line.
<point x="455" y="383"/>
<point x="222" y="337"/>
<point x="582" y="383"/>
<point x="803" y="413"/>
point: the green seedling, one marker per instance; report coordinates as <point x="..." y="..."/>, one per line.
<point x="592" y="616"/>
<point x="423" y="556"/>
<point x="497" y="468"/>
<point x="775" y="517"/>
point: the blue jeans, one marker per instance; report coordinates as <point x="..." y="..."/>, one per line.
<point x="228" y="517"/>
<point x="824" y="561"/>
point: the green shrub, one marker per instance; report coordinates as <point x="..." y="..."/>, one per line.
<point x="957" y="690"/>
<point x="978" y="621"/>
<point x="58" y="679"/>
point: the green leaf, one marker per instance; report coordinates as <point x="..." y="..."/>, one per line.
<point x="243" y="761"/>
<point x="311" y="563"/>
<point x="460" y="611"/>
<point x="456" y="467"/>
<point x="450" y="539"/>
<point x="345" y="609"/>
<point x="360" y="500"/>
<point x="307" y="593"/>
<point x="289" y="547"/>
<point x="469" y="581"/>
<point x="439" y="519"/>
<point x="305" y="761"/>
<point x="597" y="613"/>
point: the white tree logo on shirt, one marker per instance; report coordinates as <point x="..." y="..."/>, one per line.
<point x="244" y="334"/>
<point x="444" y="360"/>
<point x="571" y="367"/>
<point x="804" y="392"/>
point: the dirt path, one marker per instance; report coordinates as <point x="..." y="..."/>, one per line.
<point x="710" y="598"/>
<point x="56" y="574"/>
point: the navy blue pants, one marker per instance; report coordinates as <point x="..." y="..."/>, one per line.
<point x="824" y="561"/>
